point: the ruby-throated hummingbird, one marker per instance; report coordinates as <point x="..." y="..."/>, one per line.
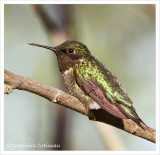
<point x="91" y="82"/>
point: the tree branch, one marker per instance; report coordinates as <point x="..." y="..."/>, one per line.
<point x="13" y="81"/>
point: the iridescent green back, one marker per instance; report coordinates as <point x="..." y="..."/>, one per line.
<point x="92" y="69"/>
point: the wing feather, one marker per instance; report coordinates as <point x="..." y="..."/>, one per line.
<point x="117" y="109"/>
<point x="93" y="91"/>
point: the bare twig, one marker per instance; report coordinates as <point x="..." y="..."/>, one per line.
<point x="13" y="81"/>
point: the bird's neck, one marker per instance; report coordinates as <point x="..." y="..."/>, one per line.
<point x="66" y="64"/>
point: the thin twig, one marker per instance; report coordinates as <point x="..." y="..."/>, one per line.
<point x="13" y="81"/>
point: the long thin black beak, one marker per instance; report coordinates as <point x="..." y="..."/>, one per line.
<point x="43" y="46"/>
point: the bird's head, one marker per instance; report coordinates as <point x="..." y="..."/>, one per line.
<point x="68" y="53"/>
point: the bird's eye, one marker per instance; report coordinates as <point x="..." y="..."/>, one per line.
<point x="70" y="50"/>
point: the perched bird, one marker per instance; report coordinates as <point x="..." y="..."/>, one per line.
<point x="91" y="82"/>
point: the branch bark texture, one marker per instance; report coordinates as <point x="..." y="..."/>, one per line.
<point x="13" y="81"/>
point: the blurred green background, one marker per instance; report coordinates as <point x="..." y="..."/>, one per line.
<point x="120" y="36"/>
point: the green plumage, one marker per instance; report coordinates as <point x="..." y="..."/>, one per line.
<point x="92" y="69"/>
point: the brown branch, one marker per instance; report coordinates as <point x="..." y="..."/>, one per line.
<point x="13" y="81"/>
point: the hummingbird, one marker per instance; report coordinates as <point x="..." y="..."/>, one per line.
<point x="87" y="79"/>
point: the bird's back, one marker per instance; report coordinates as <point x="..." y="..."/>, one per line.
<point x="92" y="69"/>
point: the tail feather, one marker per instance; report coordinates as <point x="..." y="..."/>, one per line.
<point x="133" y="117"/>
